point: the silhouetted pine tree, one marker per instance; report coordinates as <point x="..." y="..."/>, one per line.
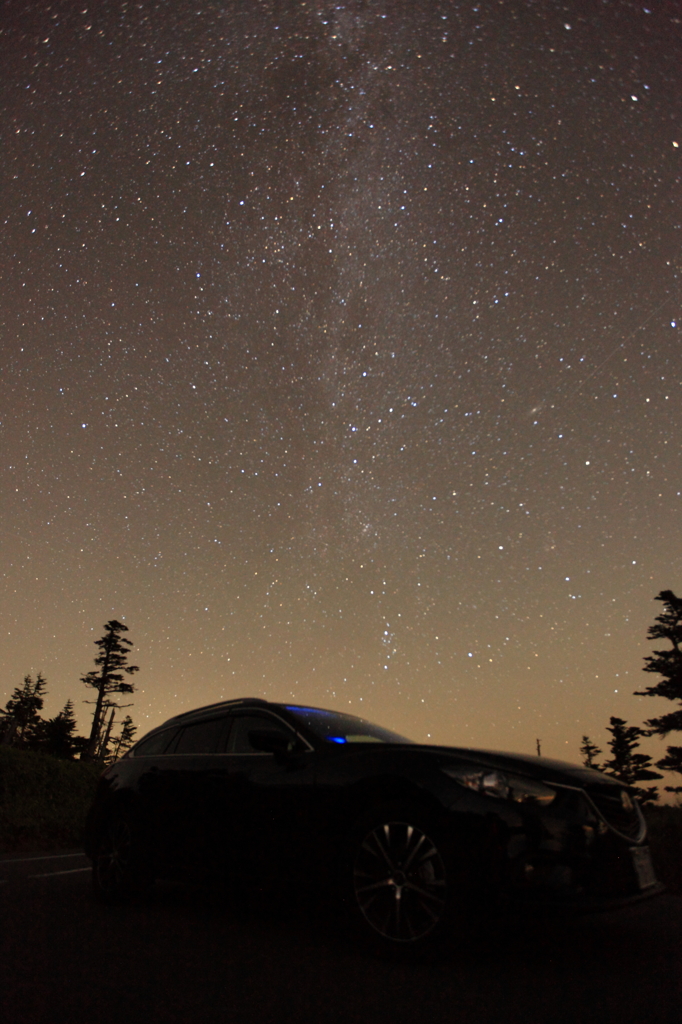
<point x="58" y="735"/>
<point x="625" y="764"/>
<point x="124" y="740"/>
<point x="112" y="662"/>
<point x="21" y="721"/>
<point x="590" y="752"/>
<point x="668" y="665"/>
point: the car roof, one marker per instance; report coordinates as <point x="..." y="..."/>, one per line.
<point x="222" y="705"/>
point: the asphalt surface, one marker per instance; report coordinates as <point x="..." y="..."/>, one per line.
<point x="189" y="956"/>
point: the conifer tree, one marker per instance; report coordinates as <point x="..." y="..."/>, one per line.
<point x="21" y="715"/>
<point x="124" y="740"/>
<point x="627" y="766"/>
<point x="108" y="678"/>
<point x="667" y="664"/>
<point x="590" y="752"/>
<point x="58" y="734"/>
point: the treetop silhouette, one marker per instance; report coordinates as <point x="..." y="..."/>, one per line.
<point x="108" y="678"/>
<point x="667" y="663"/>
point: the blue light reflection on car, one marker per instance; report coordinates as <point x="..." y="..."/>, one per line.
<point x="336" y="727"/>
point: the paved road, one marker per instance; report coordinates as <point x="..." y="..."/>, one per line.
<point x="188" y="957"/>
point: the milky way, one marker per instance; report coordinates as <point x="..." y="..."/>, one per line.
<point x="341" y="355"/>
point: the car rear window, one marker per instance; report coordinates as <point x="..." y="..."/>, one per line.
<point x="157" y="743"/>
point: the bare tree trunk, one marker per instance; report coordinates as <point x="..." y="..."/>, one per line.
<point x="90" y="752"/>
<point x="103" y="745"/>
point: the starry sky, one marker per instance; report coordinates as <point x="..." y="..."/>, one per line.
<point x="341" y="355"/>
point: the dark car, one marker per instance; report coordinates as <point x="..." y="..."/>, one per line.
<point x="410" y="835"/>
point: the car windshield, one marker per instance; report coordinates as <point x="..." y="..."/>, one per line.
<point x="335" y="727"/>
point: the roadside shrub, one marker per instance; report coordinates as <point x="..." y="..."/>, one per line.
<point x="665" y="841"/>
<point x="43" y="799"/>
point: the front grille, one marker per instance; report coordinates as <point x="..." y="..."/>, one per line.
<point x="610" y="806"/>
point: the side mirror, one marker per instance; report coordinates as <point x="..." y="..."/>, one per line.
<point x="271" y="741"/>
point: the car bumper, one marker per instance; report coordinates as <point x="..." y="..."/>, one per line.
<point x="539" y="903"/>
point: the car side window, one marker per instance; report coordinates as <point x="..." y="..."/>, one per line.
<point x="156" y="744"/>
<point x="203" y="737"/>
<point x="243" y="724"/>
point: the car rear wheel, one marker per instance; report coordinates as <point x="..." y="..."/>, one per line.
<point x="400" y="878"/>
<point x="119" y="871"/>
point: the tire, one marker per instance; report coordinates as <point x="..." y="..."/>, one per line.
<point x="400" y="879"/>
<point x="120" y="870"/>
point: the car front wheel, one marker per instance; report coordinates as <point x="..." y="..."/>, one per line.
<point x="400" y="878"/>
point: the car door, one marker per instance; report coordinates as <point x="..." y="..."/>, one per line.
<point x="270" y="800"/>
<point x="193" y="794"/>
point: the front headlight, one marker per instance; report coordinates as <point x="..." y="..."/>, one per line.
<point x="500" y="785"/>
<point x="528" y="791"/>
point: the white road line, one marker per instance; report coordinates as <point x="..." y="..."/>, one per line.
<point x="51" y="874"/>
<point x="47" y="856"/>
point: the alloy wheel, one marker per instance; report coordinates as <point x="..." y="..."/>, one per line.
<point x="400" y="882"/>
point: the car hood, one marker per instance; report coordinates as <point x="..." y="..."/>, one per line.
<point x="546" y="768"/>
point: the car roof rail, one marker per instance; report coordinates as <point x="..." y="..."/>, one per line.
<point x="246" y="701"/>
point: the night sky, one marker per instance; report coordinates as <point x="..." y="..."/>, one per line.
<point x="341" y="356"/>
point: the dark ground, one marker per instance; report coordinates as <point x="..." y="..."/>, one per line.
<point x="190" y="957"/>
